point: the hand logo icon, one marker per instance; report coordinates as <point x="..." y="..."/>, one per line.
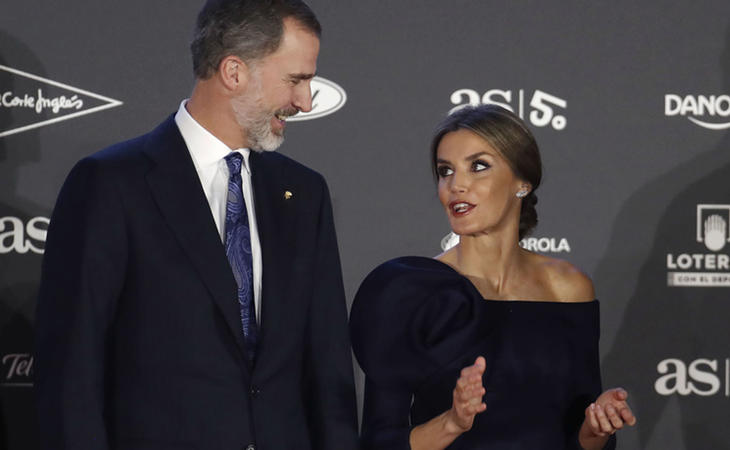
<point x="715" y="232"/>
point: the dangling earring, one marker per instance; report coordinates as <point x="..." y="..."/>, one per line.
<point x="521" y="194"/>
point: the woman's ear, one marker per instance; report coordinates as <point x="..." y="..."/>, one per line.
<point x="524" y="189"/>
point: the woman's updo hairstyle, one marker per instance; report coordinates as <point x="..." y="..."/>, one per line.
<point x="508" y="134"/>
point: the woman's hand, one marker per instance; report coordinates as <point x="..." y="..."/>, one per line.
<point x="468" y="395"/>
<point x="439" y="432"/>
<point x="608" y="414"/>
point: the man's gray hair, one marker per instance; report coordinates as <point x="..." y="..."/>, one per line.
<point x="249" y="29"/>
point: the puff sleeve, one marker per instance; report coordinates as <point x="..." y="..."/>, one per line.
<point x="406" y="320"/>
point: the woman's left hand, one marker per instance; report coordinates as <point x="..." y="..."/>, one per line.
<point x="608" y="414"/>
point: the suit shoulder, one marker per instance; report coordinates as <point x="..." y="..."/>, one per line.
<point x="133" y="147"/>
<point x="129" y="152"/>
<point x="293" y="167"/>
<point x="120" y="151"/>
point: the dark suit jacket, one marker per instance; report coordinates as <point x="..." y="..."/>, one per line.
<point x="139" y="340"/>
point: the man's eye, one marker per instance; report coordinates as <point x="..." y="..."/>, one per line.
<point x="478" y="166"/>
<point x="444" y="171"/>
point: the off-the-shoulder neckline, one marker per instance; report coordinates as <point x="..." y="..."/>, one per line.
<point x="479" y="295"/>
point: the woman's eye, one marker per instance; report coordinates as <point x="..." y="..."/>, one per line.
<point x="444" y="171"/>
<point x="478" y="166"/>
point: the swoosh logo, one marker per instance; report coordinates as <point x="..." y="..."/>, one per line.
<point x="327" y="98"/>
<point x="711" y="126"/>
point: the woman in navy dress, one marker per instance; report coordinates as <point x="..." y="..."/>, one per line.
<point x="487" y="345"/>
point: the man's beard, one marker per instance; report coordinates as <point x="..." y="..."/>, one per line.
<point x="252" y="116"/>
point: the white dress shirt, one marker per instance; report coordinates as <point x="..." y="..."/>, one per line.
<point x="208" y="154"/>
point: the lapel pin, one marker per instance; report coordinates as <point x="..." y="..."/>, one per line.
<point x="287" y="195"/>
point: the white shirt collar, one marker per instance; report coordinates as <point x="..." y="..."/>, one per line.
<point x="205" y="149"/>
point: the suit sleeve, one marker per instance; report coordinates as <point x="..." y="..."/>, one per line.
<point x="82" y="275"/>
<point x="329" y="383"/>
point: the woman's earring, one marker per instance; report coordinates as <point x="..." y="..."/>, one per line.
<point x="521" y="194"/>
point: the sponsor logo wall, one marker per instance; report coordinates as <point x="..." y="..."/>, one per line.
<point x="532" y="243"/>
<point x="23" y="237"/>
<point x="707" y="111"/>
<point x="703" y="376"/>
<point x="18" y="370"/>
<point x="635" y="140"/>
<point x="546" y="244"/>
<point x="41" y="101"/>
<point x="708" y="269"/>
<point x="327" y="98"/>
<point x="535" y="107"/>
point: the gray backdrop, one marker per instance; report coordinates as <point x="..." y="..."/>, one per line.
<point x="629" y="101"/>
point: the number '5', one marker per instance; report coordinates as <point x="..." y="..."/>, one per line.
<point x="543" y="113"/>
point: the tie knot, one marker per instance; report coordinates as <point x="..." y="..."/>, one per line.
<point x="234" y="161"/>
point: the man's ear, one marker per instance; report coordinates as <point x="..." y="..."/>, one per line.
<point x="233" y="73"/>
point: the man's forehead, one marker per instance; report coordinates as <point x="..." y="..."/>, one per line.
<point x="296" y="32"/>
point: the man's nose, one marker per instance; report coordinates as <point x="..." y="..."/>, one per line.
<point x="303" y="97"/>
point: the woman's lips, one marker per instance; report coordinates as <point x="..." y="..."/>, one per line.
<point x="460" y="208"/>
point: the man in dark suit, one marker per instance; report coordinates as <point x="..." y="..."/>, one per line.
<point x="191" y="295"/>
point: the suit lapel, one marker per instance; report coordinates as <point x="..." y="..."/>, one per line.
<point x="274" y="216"/>
<point x="176" y="188"/>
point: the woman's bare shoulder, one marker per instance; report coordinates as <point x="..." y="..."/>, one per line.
<point x="566" y="282"/>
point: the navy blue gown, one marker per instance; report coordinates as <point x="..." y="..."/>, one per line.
<point x="416" y="322"/>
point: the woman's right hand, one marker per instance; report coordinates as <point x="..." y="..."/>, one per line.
<point x="439" y="432"/>
<point x="468" y="395"/>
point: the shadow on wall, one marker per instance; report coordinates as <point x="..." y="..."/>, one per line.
<point x="664" y="322"/>
<point x="18" y="272"/>
<point x="17" y="406"/>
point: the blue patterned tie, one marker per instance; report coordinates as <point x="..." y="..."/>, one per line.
<point x="238" y="250"/>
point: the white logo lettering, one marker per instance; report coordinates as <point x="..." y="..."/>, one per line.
<point x="542" y="104"/>
<point x="69" y="106"/>
<point x="675" y="380"/>
<point x="542" y="245"/>
<point x="41" y="103"/>
<point x="700" y="377"/>
<point x="698" y="261"/>
<point x="699" y="105"/>
<point x="545" y="245"/>
<point x="21" y="238"/>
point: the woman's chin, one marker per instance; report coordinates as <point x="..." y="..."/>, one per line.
<point x="464" y="230"/>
